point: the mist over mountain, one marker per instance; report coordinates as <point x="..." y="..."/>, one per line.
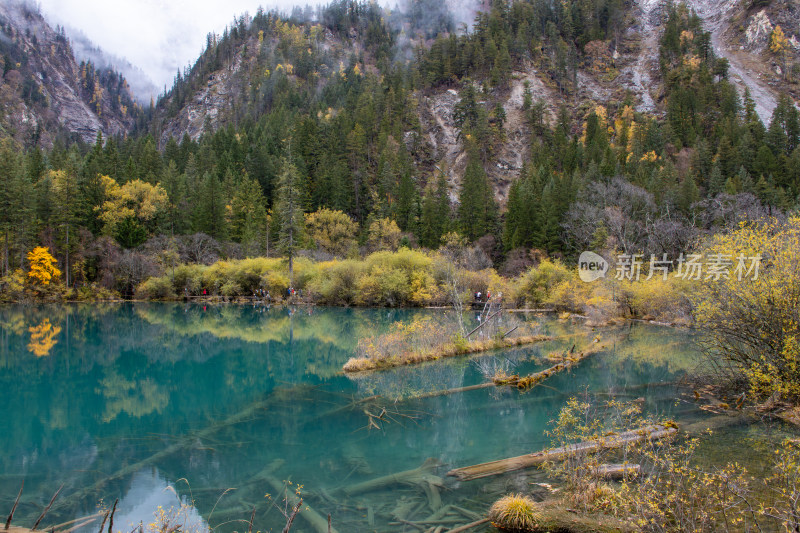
<point x="141" y="85"/>
<point x="46" y="94"/>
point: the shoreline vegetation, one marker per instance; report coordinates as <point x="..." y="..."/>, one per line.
<point x="402" y="278"/>
<point x="750" y="319"/>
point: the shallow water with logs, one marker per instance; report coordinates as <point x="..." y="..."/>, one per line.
<point x="211" y="411"/>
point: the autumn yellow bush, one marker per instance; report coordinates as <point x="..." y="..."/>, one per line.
<point x="536" y="287"/>
<point x="12" y="286"/>
<point x="570" y="294"/>
<point x="156" y="289"/>
<point x="332" y="231"/>
<point x="337" y="283"/>
<point x="658" y="299"/>
<point x="752" y="322"/>
<point x="188" y="278"/>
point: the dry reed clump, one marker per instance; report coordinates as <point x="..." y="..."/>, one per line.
<point x="515" y="512"/>
<point x="557" y="356"/>
<point x="439" y="347"/>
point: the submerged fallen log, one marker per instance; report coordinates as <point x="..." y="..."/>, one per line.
<point x="65" y="527"/>
<point x="314" y="519"/>
<point x="516" y="381"/>
<point x="445" y="392"/>
<point x="418" y="476"/>
<point x="92" y="491"/>
<point x="469" y="526"/>
<point x="492" y="468"/>
<point x="718" y="422"/>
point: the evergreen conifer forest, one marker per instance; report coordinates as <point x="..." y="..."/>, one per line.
<point x="333" y="99"/>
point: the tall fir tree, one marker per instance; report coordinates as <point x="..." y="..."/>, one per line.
<point x="248" y="216"/>
<point x="289" y="212"/>
<point x="435" y="216"/>
<point x="477" y="210"/>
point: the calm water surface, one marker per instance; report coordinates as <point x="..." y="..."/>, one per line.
<point x="93" y="396"/>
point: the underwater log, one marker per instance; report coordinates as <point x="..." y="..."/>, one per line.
<point x="466" y="527"/>
<point x="418" y="476"/>
<point x="314" y="519"/>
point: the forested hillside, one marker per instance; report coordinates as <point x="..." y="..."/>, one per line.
<point x="530" y="134"/>
<point x="46" y="95"/>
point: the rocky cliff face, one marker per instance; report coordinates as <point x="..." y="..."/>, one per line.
<point x="608" y="72"/>
<point x="43" y="90"/>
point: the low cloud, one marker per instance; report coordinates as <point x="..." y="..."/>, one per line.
<point x="158" y="36"/>
<point x="161" y="37"/>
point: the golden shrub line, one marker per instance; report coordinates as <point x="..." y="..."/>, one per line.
<point x="418" y="278"/>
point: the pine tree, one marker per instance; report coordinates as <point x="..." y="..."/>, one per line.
<point x="477" y="210"/>
<point x="688" y="195"/>
<point x="16" y="205"/>
<point x="248" y="215"/>
<point x="289" y="211"/>
<point x="435" y="216"/>
<point x="745" y="181"/>
<point x="177" y="212"/>
<point x="407" y="203"/>
<point x="716" y="182"/>
<point x="66" y="194"/>
<point x="466" y="110"/>
<point x="776" y="137"/>
<point x="209" y="212"/>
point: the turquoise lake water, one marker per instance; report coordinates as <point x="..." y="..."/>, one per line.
<point x="92" y="397"/>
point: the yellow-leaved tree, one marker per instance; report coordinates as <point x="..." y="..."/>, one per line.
<point x="332" y="231"/>
<point x="384" y="234"/>
<point x="780" y="46"/>
<point x="132" y="211"/>
<point x="43" y="267"/>
<point x="752" y="313"/>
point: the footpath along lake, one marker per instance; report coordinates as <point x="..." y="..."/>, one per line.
<point x="165" y="404"/>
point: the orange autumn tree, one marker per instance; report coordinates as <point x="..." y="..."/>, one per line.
<point x="43" y="266"/>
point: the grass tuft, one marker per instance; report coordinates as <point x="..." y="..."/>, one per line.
<point x="515" y="512"/>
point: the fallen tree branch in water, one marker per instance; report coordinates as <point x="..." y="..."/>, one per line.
<point x="314" y="519"/>
<point x="524" y="383"/>
<point x="466" y="527"/>
<point x="618" y="471"/>
<point x="46" y="509"/>
<point x="417" y="476"/>
<point x="501" y="466"/>
<point x="90" y="492"/>
<point x="16" y="502"/>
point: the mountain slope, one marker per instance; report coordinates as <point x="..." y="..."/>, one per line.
<point x="45" y="92"/>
